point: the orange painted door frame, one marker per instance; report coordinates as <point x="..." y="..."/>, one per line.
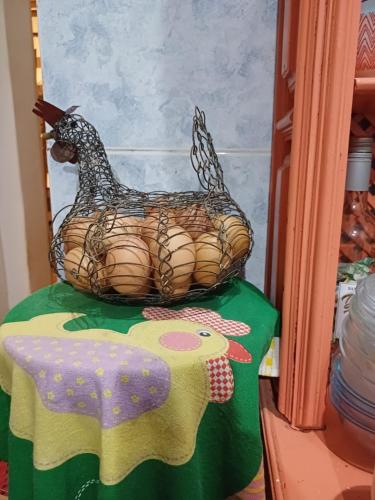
<point x="302" y="276"/>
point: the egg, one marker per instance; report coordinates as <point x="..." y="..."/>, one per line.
<point x="76" y="267"/>
<point x="161" y="206"/>
<point x="174" y="254"/>
<point x="144" y="290"/>
<point x="79" y="269"/>
<point x="119" y="227"/>
<point x="74" y="232"/>
<point x="236" y="233"/>
<point x="194" y="219"/>
<point x="100" y="278"/>
<point x="128" y="267"/>
<point x="171" y="288"/>
<point x="211" y="258"/>
<point x="150" y="229"/>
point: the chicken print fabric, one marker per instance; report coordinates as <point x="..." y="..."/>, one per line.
<point x="127" y="398"/>
<point x="112" y="382"/>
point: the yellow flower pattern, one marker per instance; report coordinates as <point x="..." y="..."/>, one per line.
<point x="57" y="377"/>
<point x="80" y="381"/>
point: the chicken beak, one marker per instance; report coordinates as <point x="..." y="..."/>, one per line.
<point x="47" y="135"/>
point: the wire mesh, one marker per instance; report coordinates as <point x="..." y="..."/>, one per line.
<point x="159" y="247"/>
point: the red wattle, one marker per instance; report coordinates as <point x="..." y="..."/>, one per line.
<point x="238" y="352"/>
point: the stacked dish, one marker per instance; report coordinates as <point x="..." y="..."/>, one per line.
<point x="352" y="388"/>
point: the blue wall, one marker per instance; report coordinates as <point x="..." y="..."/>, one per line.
<point x="138" y="67"/>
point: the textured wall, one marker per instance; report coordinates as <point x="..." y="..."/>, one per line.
<point x="138" y="67"/>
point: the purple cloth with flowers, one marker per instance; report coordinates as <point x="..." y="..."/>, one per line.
<point x="115" y="382"/>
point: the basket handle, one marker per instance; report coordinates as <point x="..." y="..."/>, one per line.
<point x="203" y="156"/>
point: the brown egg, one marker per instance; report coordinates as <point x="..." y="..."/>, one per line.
<point x="79" y="270"/>
<point x="76" y="267"/>
<point x="119" y="228"/>
<point x="194" y="219"/>
<point x="74" y="232"/>
<point x="174" y="254"/>
<point x="128" y="267"/>
<point x="150" y="229"/>
<point x="156" y="210"/>
<point x="211" y="258"/>
<point x="144" y="290"/>
<point x="236" y="233"/>
<point x="171" y="288"/>
<point x="100" y="278"/>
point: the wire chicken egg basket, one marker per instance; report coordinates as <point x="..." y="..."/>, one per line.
<point x="128" y="246"/>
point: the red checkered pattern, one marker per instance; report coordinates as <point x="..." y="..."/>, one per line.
<point x="3" y="478"/>
<point x="221" y="379"/>
<point x="199" y="315"/>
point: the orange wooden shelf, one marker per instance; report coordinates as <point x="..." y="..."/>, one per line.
<point x="364" y="84"/>
<point x="301" y="463"/>
<point x="363" y="96"/>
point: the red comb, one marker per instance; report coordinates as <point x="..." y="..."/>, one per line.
<point x="50" y="113"/>
<point x="199" y="315"/>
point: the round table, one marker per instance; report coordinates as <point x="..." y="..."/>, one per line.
<point x="103" y="401"/>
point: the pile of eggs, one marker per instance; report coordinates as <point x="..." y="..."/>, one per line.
<point x="166" y="252"/>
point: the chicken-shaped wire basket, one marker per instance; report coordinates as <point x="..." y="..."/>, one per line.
<point x="127" y="246"/>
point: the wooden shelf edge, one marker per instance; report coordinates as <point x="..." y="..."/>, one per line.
<point x="267" y="408"/>
<point x="364" y="84"/>
<point x="301" y="466"/>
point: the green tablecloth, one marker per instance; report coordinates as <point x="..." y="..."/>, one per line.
<point x="228" y="449"/>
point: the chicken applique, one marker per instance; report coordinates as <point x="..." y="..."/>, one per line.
<point x="126" y="398"/>
<point x="220" y="371"/>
